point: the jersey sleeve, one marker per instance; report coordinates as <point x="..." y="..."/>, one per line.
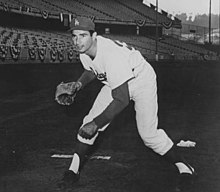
<point x="117" y="69"/>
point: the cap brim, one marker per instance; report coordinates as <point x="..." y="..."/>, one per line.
<point x="81" y="28"/>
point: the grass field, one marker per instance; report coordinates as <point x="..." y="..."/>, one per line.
<point x="33" y="127"/>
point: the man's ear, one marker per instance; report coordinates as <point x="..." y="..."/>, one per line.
<point x="94" y="35"/>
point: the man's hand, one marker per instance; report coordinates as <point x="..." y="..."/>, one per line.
<point x="89" y="130"/>
<point x="66" y="92"/>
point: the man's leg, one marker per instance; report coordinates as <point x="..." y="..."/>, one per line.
<point x="146" y="108"/>
<point x="72" y="174"/>
<point x="81" y="149"/>
<point x="83" y="145"/>
<point x="187" y="172"/>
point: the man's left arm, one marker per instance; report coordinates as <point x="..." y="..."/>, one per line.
<point x="121" y="99"/>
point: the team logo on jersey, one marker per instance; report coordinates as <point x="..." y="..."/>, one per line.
<point x="99" y="76"/>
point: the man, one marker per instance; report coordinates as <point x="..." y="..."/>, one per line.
<point x="127" y="76"/>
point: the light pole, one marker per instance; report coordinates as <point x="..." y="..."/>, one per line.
<point x="156" y="51"/>
<point x="210" y="22"/>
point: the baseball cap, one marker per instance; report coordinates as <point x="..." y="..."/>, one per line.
<point x="82" y="23"/>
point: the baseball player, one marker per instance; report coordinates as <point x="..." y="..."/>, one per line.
<point x="126" y="76"/>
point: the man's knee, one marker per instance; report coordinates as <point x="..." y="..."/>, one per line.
<point x="158" y="141"/>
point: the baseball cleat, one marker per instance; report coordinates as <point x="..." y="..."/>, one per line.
<point x="186" y="180"/>
<point x="68" y="180"/>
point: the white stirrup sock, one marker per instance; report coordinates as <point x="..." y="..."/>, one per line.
<point x="75" y="163"/>
<point x="183" y="168"/>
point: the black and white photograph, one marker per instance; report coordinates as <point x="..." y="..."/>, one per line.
<point x="109" y="96"/>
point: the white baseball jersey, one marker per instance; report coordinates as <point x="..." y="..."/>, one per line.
<point x="114" y="62"/>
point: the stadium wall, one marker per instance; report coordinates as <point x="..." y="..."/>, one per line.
<point x="189" y="76"/>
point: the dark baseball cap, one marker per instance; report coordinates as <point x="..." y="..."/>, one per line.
<point x="82" y="23"/>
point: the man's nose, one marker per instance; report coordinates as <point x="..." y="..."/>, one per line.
<point x="78" y="41"/>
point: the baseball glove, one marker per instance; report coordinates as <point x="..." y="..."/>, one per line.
<point x="66" y="92"/>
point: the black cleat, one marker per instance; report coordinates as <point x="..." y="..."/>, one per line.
<point x="68" y="180"/>
<point x="186" y="180"/>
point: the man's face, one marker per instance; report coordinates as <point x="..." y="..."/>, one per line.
<point x="82" y="40"/>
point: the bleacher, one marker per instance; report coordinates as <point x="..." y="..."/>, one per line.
<point x="187" y="46"/>
<point x="80" y="8"/>
<point x="147" y="47"/>
<point x="116" y="10"/>
<point x="144" y="10"/>
<point x="192" y="48"/>
<point x="54" y="44"/>
<point x="26" y="39"/>
<point x="35" y="45"/>
<point x="33" y="6"/>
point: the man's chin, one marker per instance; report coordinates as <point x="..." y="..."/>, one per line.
<point x="81" y="51"/>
